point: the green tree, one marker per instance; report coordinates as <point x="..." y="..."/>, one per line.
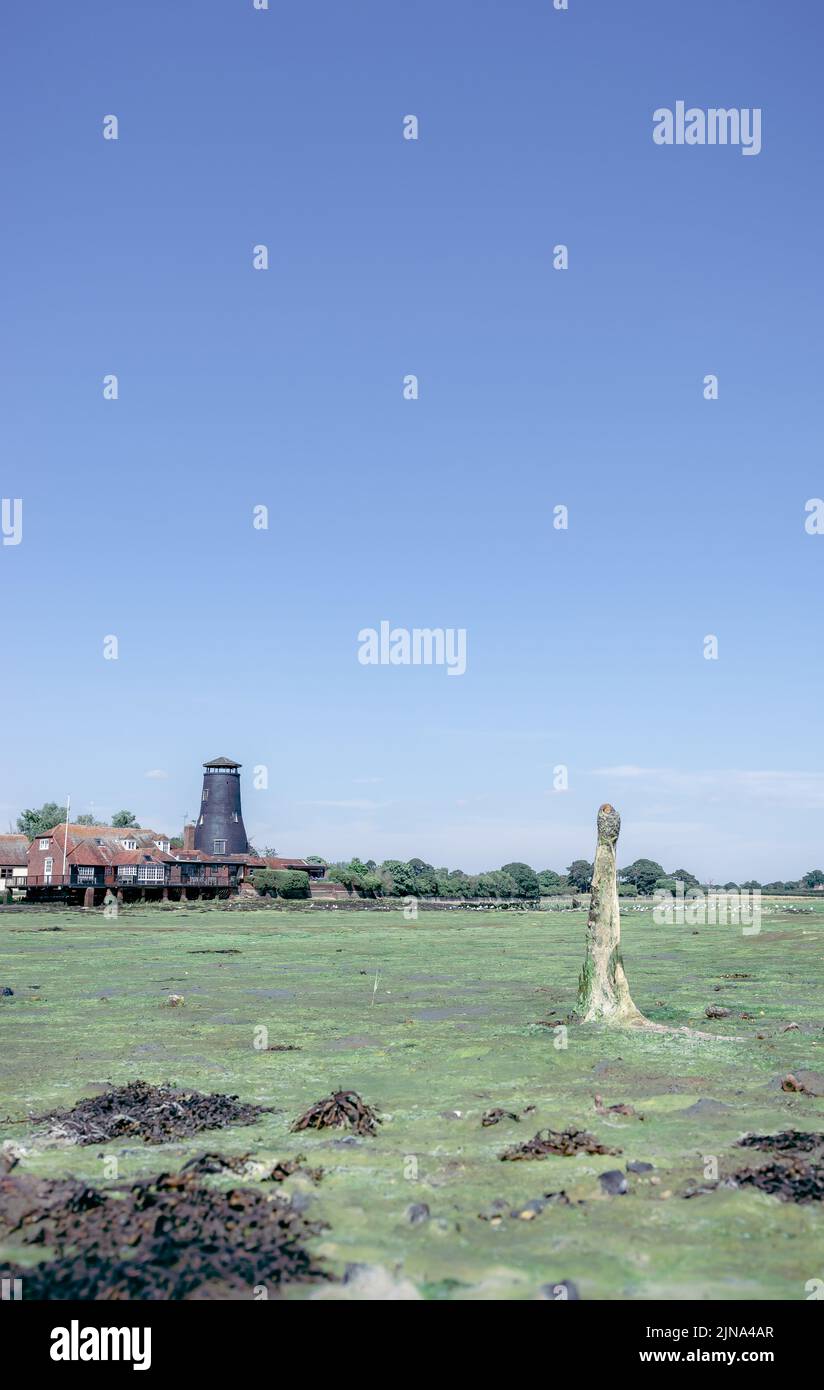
<point x="643" y="874"/>
<point x="502" y="884"/>
<point x="291" y="883"/>
<point x="85" y="820"/>
<point x="689" y="880"/>
<point x="264" y="881"/>
<point x="402" y="878"/>
<point x="813" y="879"/>
<point x="525" y="878"/>
<point x="122" y="819"/>
<point x="33" y="822"/>
<point x="426" y="884"/>
<point x="580" y="874"/>
<point x="345" y="874"/>
<point x="372" y="884"/>
<point x="549" y="879"/>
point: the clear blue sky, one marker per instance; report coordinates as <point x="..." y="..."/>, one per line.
<point x="537" y="387"/>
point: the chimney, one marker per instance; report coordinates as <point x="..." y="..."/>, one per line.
<point x="188" y="837"/>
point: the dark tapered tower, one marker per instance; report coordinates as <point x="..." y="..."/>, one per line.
<point x="220" y="828"/>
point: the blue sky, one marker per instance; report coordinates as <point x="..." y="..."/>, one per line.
<point x="537" y="387"/>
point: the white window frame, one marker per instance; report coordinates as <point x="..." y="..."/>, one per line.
<point x="44" y="844"/>
<point x="215" y="849"/>
<point x="151" y="873"/>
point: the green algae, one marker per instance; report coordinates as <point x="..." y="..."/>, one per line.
<point x="449" y="1033"/>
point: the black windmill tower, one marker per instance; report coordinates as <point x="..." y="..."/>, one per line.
<point x="220" y="828"/>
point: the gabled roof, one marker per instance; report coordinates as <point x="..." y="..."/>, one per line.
<point x="113" y="835"/>
<point x="14" y="849"/>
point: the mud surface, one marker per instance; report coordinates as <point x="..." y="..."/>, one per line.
<point x="156" y="1114"/>
<point x="734" y="1244"/>
<point x="166" y="1238"/>
<point x="341" y="1109"/>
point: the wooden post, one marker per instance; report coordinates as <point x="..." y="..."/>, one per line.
<point x="603" y="992"/>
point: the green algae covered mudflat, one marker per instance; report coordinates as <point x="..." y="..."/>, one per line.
<point x="457" y="1026"/>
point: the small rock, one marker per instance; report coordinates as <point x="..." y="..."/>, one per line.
<point x="637" y="1166"/>
<point x="806" y="1083"/>
<point x="614" y="1183"/>
<point x="6" y="992"/>
<point x="417" y="1213"/>
<point x="175" y="1000"/>
<point x="716" y="1011"/>
<point x="530" y="1210"/>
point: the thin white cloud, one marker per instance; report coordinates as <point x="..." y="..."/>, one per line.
<point x="803" y="791"/>
<point x="157" y="774"/>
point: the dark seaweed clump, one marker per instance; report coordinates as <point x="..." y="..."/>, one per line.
<point x="793" y="1181"/>
<point x="155" y="1114"/>
<point x="792" y="1141"/>
<point x="342" y="1108"/>
<point x="567" y="1142"/>
<point x="165" y="1238"/>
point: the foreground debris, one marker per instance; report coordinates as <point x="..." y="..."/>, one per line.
<point x="567" y="1142"/>
<point x="620" y="1109"/>
<point x="155" y="1114"/>
<point x="166" y="1238"/>
<point x="494" y="1117"/>
<point x="793" y="1181"/>
<point x="248" y="1167"/>
<point x="790" y="1141"/>
<point x="342" y="1108"/>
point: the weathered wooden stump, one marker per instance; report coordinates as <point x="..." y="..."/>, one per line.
<point x="603" y="992"/>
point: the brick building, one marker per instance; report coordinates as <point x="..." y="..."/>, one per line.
<point x="84" y="862"/>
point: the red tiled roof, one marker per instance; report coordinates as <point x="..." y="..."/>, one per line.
<point x="14" y="849"/>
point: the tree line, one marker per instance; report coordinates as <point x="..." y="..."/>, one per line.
<point x="416" y="878"/>
<point x="397" y="878"/>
